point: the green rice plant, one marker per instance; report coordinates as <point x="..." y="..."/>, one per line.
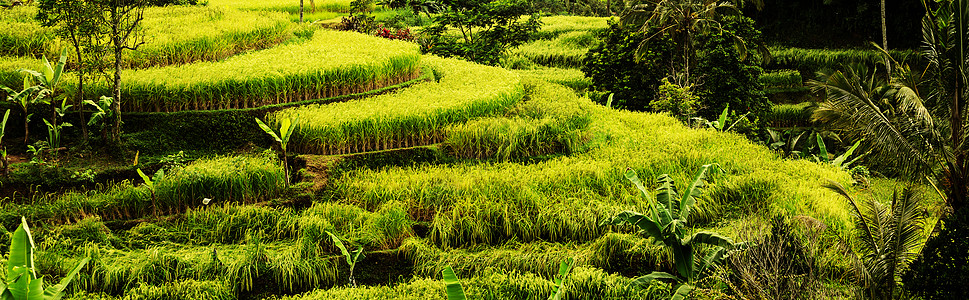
<point x="552" y="121"/>
<point x="818" y="59"/>
<point x="781" y="79"/>
<point x="571" y="78"/>
<point x="20" y="280"/>
<point x="189" y="289"/>
<point x="291" y="7"/>
<point x="556" y="53"/>
<point x="216" y="33"/>
<point x="553" y="26"/>
<point x="10" y="74"/>
<point x="332" y="63"/>
<point x="20" y="35"/>
<point x="790" y="115"/>
<point x="410" y="117"/>
<point x="244" y="179"/>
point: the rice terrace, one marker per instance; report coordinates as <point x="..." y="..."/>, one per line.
<point x="478" y="149"/>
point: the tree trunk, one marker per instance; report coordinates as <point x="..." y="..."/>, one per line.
<point x="888" y="62"/>
<point x="26" y="129"/>
<point x="957" y="183"/>
<point x="80" y="89"/>
<point x="301" y="11"/>
<point x="116" y="105"/>
<point x="285" y="168"/>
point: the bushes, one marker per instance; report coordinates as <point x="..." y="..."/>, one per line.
<point x="726" y="79"/>
<point x="943" y="269"/>
<point x="613" y="68"/>
<point x="488" y="29"/>
<point x="723" y="77"/>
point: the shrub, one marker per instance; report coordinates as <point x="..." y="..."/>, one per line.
<point x="677" y="100"/>
<point x="488" y="29"/>
<point x="613" y="68"/>
<point x="943" y="269"/>
<point x="727" y="78"/>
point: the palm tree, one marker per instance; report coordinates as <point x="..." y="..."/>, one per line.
<point x="889" y="238"/>
<point x="683" y="20"/>
<point x="906" y="120"/>
<point x="888" y="64"/>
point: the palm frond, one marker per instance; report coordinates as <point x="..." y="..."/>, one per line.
<point x="860" y="105"/>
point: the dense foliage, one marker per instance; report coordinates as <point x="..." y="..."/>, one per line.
<point x="941" y="272"/>
<point x="487" y="29"/>
<point x="613" y="67"/>
<point x="724" y="75"/>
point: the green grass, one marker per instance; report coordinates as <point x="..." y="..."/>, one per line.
<point x="330" y="64"/>
<point x="413" y="116"/>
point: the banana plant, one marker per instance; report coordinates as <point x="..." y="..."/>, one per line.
<point x="286" y="128"/>
<point x="839" y="161"/>
<point x="150" y="183"/>
<point x="3" y="150"/>
<point x="53" y="129"/>
<point x="352" y="259"/>
<point x="721" y="123"/>
<point x="21" y="282"/>
<point x="102" y="111"/>
<point x="565" y="268"/>
<point x="48" y="78"/>
<point x="23" y="99"/>
<point x="454" y="290"/>
<point x="452" y="285"/>
<point x="666" y="223"/>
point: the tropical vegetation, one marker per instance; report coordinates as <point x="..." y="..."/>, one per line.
<point x="422" y="149"/>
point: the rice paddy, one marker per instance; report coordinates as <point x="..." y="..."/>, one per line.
<point x="411" y="117"/>
<point x="524" y="170"/>
<point x="216" y="33"/>
<point x="285" y="6"/>
<point x="563" y="42"/>
<point x="330" y="64"/>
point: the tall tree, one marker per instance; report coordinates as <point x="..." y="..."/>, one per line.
<point x="122" y="19"/>
<point x="683" y="20"/>
<point x="888" y="63"/>
<point x="77" y="22"/>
